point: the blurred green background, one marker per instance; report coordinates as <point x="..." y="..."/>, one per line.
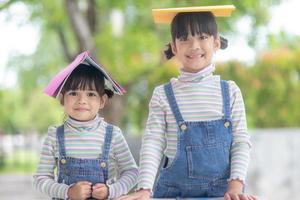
<point x="124" y="39"/>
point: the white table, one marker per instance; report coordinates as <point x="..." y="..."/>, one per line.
<point x="178" y="198"/>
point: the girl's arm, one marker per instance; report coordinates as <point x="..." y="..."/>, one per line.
<point x="43" y="179"/>
<point x="126" y="165"/>
<point x="153" y="142"/>
<point x="240" y="151"/>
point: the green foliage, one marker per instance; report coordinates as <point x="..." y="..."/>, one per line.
<point x="135" y="57"/>
<point x="20" y="162"/>
<point x="10" y="111"/>
<point x="28" y="112"/>
<point x="270" y="87"/>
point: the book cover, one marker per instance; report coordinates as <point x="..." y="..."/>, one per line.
<point x="56" y="84"/>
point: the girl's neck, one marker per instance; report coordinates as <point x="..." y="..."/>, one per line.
<point x="82" y="124"/>
<point x="197" y="76"/>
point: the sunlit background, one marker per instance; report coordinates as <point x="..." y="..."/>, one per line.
<point x="39" y="38"/>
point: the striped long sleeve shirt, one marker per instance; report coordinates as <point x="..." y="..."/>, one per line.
<point x="199" y="98"/>
<point x="85" y="140"/>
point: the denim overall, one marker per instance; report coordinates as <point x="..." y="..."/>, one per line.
<point x="72" y="170"/>
<point x="201" y="166"/>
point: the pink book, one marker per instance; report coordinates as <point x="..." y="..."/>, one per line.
<point x="57" y="83"/>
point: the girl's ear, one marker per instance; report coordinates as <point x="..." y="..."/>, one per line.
<point x="103" y="100"/>
<point x="173" y="47"/>
<point x="61" y="99"/>
<point x="217" y="43"/>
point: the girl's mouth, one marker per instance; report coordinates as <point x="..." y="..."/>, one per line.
<point x="81" y="109"/>
<point x="193" y="56"/>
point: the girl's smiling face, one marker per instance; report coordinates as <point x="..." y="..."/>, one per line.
<point x="83" y="94"/>
<point x="195" y="52"/>
<point x="83" y="105"/>
<point x="195" y="39"/>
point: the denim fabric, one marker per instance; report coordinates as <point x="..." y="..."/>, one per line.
<point x="201" y="166"/>
<point x="72" y="170"/>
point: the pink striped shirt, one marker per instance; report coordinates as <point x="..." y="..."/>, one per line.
<point x="199" y="98"/>
<point x="85" y="140"/>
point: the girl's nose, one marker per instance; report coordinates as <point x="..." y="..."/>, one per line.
<point x="81" y="98"/>
<point x="195" y="44"/>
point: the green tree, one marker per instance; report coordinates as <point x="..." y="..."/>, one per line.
<point x="134" y="56"/>
<point x="271" y="86"/>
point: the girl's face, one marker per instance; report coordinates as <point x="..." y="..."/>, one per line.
<point x="83" y="105"/>
<point x="195" y="52"/>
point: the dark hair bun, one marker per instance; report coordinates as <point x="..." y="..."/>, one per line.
<point x="168" y="52"/>
<point x="109" y="93"/>
<point x="224" y="43"/>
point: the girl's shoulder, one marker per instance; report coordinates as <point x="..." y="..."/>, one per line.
<point x="51" y="137"/>
<point x="234" y="89"/>
<point x="159" y="94"/>
<point x="159" y="88"/>
<point x="52" y="130"/>
<point x="233" y="86"/>
<point x="160" y="91"/>
<point x="117" y="135"/>
<point x="116" y="130"/>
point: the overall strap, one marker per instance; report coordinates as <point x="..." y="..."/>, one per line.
<point x="106" y="147"/>
<point x="226" y="99"/>
<point x="173" y="104"/>
<point x="61" y="140"/>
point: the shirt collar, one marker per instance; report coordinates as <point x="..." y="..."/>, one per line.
<point x="87" y="125"/>
<point x="198" y="76"/>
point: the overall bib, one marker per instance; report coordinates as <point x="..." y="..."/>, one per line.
<point x="71" y="170"/>
<point x="201" y="166"/>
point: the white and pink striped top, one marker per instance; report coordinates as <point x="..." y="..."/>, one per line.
<point x="199" y="98"/>
<point x="85" y="140"/>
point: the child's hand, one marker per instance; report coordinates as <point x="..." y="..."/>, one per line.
<point x="235" y="192"/>
<point x="240" y="196"/>
<point x="81" y="190"/>
<point x="100" y="191"/>
<point x="142" y="194"/>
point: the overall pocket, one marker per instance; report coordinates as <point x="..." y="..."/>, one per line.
<point x="210" y="161"/>
<point x="165" y="191"/>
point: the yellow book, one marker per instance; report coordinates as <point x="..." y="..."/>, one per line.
<point x="166" y="15"/>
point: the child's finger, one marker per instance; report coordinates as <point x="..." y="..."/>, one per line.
<point x="227" y="197"/>
<point x="243" y="197"/>
<point x="84" y="183"/>
<point x="122" y="197"/>
<point x="251" y="197"/>
<point x="98" y="185"/>
<point x="235" y="197"/>
<point x="126" y="197"/>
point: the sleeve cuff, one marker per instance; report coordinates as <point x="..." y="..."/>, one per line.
<point x="111" y="191"/>
<point x="141" y="188"/>
<point x="66" y="192"/>
<point x="242" y="180"/>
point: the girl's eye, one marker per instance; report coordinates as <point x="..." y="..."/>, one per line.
<point x="203" y="37"/>
<point x="182" y="39"/>
<point x="92" y="94"/>
<point x="72" y="93"/>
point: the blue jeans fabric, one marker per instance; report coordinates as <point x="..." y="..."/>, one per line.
<point x="201" y="166"/>
<point x="71" y="170"/>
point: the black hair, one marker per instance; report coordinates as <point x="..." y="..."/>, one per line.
<point x="196" y="23"/>
<point x="86" y="77"/>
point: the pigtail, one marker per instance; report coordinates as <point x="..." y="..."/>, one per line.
<point x="224" y="43"/>
<point x="109" y="93"/>
<point x="168" y="53"/>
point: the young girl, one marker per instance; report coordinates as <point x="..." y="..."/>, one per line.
<point x="197" y="122"/>
<point x="89" y="157"/>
